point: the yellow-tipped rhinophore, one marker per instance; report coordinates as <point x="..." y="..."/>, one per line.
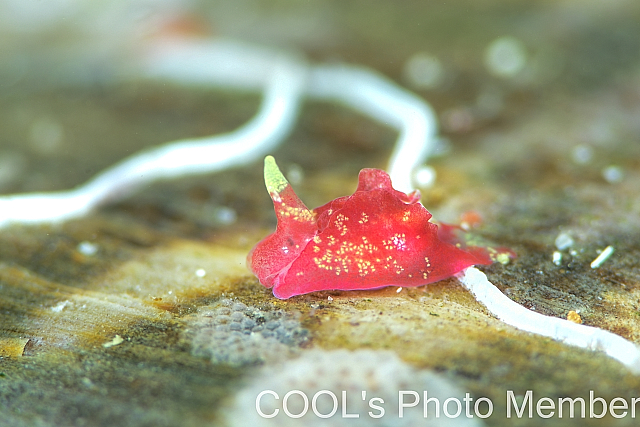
<point x="273" y="178"/>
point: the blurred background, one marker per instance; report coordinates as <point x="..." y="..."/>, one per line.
<point x="566" y="71"/>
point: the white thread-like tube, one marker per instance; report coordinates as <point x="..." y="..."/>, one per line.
<point x="277" y="115"/>
<point x="512" y="313"/>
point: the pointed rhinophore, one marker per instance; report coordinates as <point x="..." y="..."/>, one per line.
<point x="271" y="257"/>
<point x="273" y="178"/>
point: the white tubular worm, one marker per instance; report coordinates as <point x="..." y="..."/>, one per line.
<point x="512" y="313"/>
<point x="284" y="79"/>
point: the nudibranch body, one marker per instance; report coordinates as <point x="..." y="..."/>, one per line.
<point x="374" y="238"/>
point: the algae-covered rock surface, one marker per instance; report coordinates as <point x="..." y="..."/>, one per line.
<point x="143" y="312"/>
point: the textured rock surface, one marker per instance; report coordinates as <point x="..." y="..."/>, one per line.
<point x="233" y="333"/>
<point x="552" y="150"/>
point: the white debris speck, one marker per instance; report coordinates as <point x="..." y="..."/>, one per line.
<point x="60" y="306"/>
<point x="582" y="154"/>
<point x="425" y="176"/>
<point x="225" y="215"/>
<point x="563" y="241"/>
<point x="398" y="290"/>
<point x="329" y="298"/>
<point x="115" y="341"/>
<point x="201" y="272"/>
<point x="604" y="255"/>
<point x="505" y="57"/>
<point x="87" y="248"/>
<point x="613" y="174"/>
<point x="424" y="71"/>
<point x="557" y="257"/>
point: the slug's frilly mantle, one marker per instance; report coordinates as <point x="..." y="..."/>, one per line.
<point x="374" y="238"/>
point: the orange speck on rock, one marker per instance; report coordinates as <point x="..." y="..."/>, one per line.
<point x="574" y="317"/>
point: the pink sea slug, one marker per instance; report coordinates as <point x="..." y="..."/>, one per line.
<point x="374" y="238"/>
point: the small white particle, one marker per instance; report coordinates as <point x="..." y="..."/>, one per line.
<point x="425" y="176"/>
<point x="604" y="255"/>
<point x="505" y="57"/>
<point x="200" y="272"/>
<point x="424" y="71"/>
<point x="398" y="290"/>
<point x="613" y="174"/>
<point x="557" y="257"/>
<point x="87" y="248"/>
<point x="60" y="306"/>
<point x="563" y="241"/>
<point x="224" y="215"/>
<point x="329" y="298"/>
<point x="582" y="154"/>
<point x="115" y="341"/>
